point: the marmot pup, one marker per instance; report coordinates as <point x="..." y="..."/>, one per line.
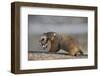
<point x="54" y="42"/>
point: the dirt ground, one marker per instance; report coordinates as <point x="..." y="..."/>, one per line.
<point x="51" y="56"/>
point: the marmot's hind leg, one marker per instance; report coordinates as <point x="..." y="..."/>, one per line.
<point x="79" y="53"/>
<point x="76" y="52"/>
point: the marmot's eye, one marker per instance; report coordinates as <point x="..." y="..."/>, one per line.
<point x="42" y="39"/>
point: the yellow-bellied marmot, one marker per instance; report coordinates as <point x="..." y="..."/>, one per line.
<point x="54" y="42"/>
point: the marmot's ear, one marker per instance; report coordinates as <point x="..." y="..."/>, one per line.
<point x="52" y="38"/>
<point x="54" y="34"/>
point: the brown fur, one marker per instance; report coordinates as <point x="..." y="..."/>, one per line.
<point x="66" y="43"/>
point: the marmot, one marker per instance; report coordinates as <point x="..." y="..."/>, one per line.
<point x="54" y="42"/>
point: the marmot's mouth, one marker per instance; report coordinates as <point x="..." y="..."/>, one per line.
<point x="46" y="46"/>
<point x="43" y="42"/>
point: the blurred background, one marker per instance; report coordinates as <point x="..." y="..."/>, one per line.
<point x="76" y="27"/>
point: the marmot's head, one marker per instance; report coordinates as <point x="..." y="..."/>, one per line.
<point x="46" y="38"/>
